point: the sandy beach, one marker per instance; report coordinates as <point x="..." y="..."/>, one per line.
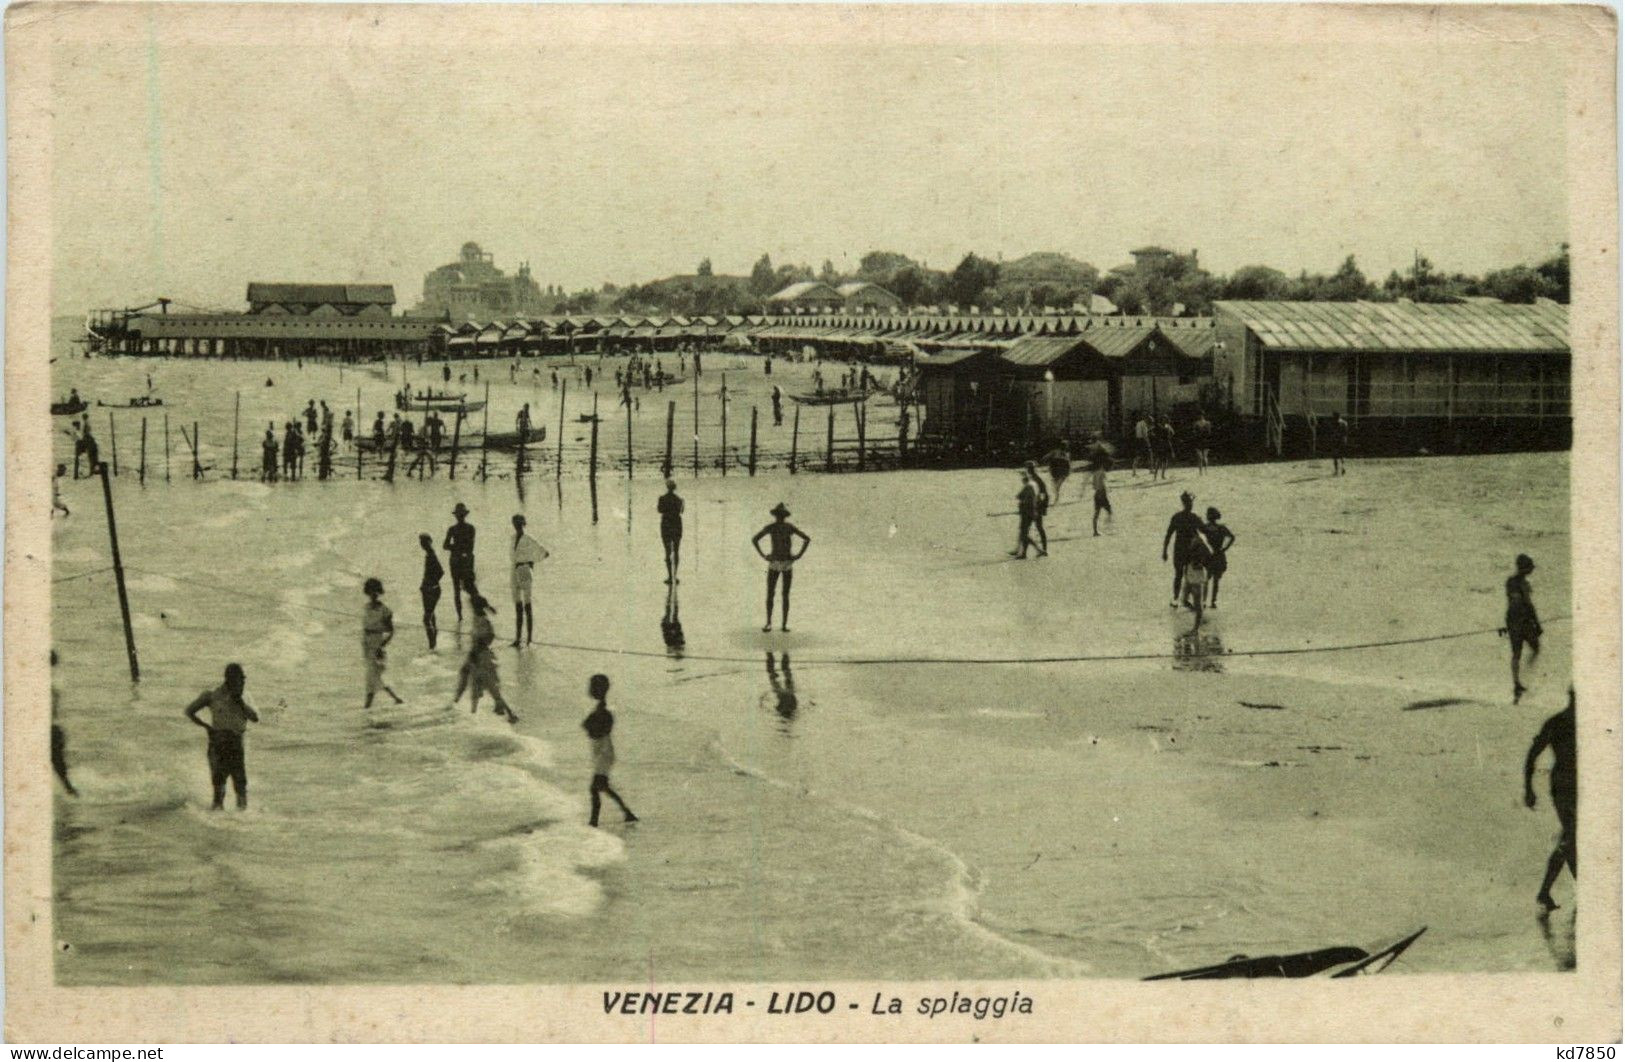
<point x="1079" y="817"/>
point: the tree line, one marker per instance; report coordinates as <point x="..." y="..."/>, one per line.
<point x="1163" y="285"/>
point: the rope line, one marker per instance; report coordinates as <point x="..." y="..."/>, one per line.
<point x="871" y="661"/>
<point x="81" y="575"/>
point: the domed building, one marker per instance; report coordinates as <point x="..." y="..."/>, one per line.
<point x="473" y="288"/>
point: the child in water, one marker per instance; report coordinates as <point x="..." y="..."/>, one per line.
<point x="598" y="725"/>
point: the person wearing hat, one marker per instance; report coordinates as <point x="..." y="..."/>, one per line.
<point x="1523" y="626"/>
<point x="670" y="507"/>
<point x="377" y="630"/>
<point x="1219" y="540"/>
<point x="459" y="547"/>
<point x="527" y="553"/>
<point x="1183" y="528"/>
<point x="780" y="559"/>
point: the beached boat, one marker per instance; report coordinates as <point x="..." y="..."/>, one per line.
<point x="832" y="398"/>
<point x="509" y="440"/>
<point x="1325" y="962"/>
<point x="68" y="409"/>
<point x="439" y="403"/>
<point x="141" y="402"/>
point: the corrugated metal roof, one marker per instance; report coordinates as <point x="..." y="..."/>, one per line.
<point x="316" y="293"/>
<point x="1042" y="350"/>
<point x="1405" y="327"/>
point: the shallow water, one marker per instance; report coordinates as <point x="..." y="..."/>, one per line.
<point x="802" y="818"/>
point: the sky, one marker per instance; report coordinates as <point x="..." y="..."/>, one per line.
<point x="192" y="154"/>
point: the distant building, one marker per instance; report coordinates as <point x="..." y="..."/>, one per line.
<point x="322" y="300"/>
<point x="807" y="296"/>
<point x="860" y="296"/>
<point x="474" y="288"/>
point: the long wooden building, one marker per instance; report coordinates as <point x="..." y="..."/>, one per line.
<point x="1407" y="376"/>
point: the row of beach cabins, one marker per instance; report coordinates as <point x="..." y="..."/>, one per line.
<point x="1409" y="377"/>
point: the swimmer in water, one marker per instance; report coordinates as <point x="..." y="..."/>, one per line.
<point x="229" y="716"/>
<point x="377" y="631"/>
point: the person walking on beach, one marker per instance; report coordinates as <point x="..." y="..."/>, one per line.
<point x="56" y="491"/>
<point x="527" y="553"/>
<point x="479" y="671"/>
<point x="378" y="432"/>
<point x="1097" y="474"/>
<point x="1059" y="461"/>
<point x="289" y="433"/>
<point x="268" y="455"/>
<point x="229" y="716"/>
<point x="1340" y="444"/>
<point x="1142" y="446"/>
<point x="459" y="547"/>
<point x="59" y="737"/>
<point x="1197" y="559"/>
<point x="1219" y="541"/>
<point x="1026" y="513"/>
<point x="429" y="588"/>
<point x="778" y="406"/>
<point x="377" y="631"/>
<point x="1522" y="625"/>
<point x="780" y="557"/>
<point x="1184" y="527"/>
<point x="1165" y="445"/>
<point x="1203" y="429"/>
<point x="599" y="725"/>
<point x="445" y="373"/>
<point x="670" y="507"/>
<point x="1558" y="735"/>
<point x="347" y="432"/>
<point x="1042" y="508"/>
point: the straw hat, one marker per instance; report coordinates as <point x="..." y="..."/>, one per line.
<point x="459" y="509"/>
<point x="780" y="511"/>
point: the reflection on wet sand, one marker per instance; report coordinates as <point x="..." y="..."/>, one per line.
<point x="671" y="625"/>
<point x="1199" y="650"/>
<point x="782" y="696"/>
<point x="1558" y="929"/>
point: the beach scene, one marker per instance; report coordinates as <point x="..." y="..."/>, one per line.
<point x="547" y="567"/>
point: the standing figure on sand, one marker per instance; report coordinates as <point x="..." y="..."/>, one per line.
<point x="1522" y="625"/>
<point x="1558" y="735"/>
<point x="780" y="559"/>
<point x="1184" y="528"/>
<point x="527" y="553"/>
<point x="599" y="725"/>
<point x="1041" y="509"/>
<point x="1219" y="541"/>
<point x="670" y="506"/>
<point x="459" y="547"/>
<point x="1097" y="475"/>
<point x="377" y="631"/>
<point x="1027" y="515"/>
<point x="229" y="716"/>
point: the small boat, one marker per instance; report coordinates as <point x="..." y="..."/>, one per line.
<point x="832" y="398"/>
<point x="509" y="440"/>
<point x="586" y="418"/>
<point x="140" y="402"/>
<point x="68" y="409"/>
<point x="439" y="406"/>
<point x="1326" y="962"/>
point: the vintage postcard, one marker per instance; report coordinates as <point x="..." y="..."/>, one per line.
<point x="890" y="523"/>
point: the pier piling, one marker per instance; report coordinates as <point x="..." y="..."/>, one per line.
<point x="142" y="475"/>
<point x="753" y="440"/>
<point x="795" y="436"/>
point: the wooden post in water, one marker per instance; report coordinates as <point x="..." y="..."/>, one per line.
<point x="629" y="437"/>
<point x="112" y="436"/>
<point x="592" y="459"/>
<point x="829" y="448"/>
<point x="564" y="389"/>
<point x="485" y="430"/>
<point x="197" y="464"/>
<point x="360" y="430"/>
<point x="857" y="415"/>
<point x="795" y="436"/>
<point x="166" y="447"/>
<point x="236" y="418"/>
<point x="671" y="420"/>
<point x="456" y="444"/>
<point x="696" y="425"/>
<point x="118" y="576"/>
<point x="143" y="474"/>
<point x="753" y="440"/>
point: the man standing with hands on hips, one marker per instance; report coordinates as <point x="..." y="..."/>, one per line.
<point x="527" y="553"/>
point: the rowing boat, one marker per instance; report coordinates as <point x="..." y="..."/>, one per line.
<point x="831" y="398"/>
<point x="1325" y="962"/>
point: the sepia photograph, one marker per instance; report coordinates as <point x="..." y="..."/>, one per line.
<point x="811" y="522"/>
